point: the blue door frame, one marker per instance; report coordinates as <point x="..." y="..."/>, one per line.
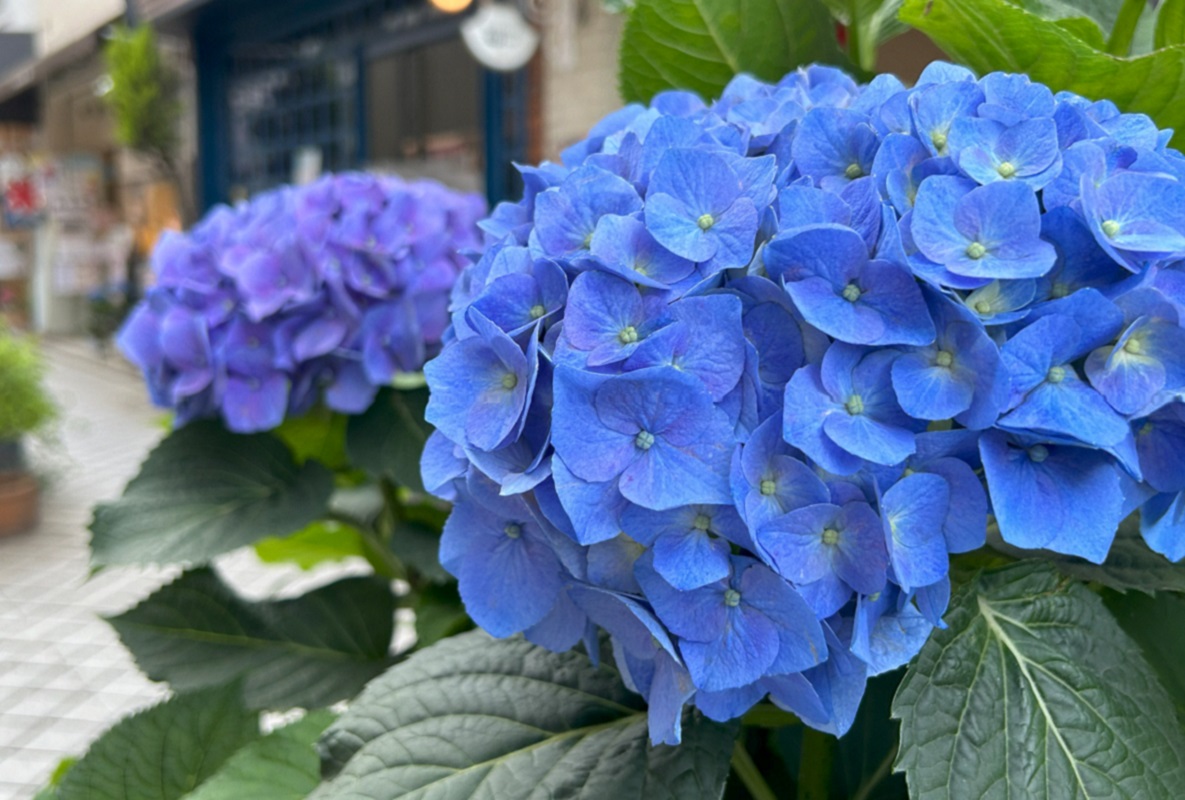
<point x="223" y="25"/>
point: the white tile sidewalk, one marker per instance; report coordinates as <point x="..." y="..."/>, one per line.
<point x="64" y="677"/>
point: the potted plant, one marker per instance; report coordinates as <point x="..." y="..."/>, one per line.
<point x="25" y="408"/>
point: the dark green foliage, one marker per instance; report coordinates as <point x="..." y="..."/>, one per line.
<point x="478" y="717"/>
<point x="165" y="752"/>
<point x="1035" y="691"/>
<point x="310" y="651"/>
<point x="281" y="766"/>
<point x="701" y="44"/>
<point x="389" y="437"/>
<point x="205" y="491"/>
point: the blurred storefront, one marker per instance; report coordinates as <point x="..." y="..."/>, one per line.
<point x="66" y="187"/>
<point x="273" y="91"/>
<point x="289" y="88"/>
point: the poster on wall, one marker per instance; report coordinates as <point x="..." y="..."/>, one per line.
<point x="74" y="189"/>
<point x="22" y="190"/>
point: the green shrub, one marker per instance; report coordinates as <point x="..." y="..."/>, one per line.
<point x="24" y="404"/>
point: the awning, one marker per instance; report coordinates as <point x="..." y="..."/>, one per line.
<point x="164" y="10"/>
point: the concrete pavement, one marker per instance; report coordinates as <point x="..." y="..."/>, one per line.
<point x="64" y="677"/>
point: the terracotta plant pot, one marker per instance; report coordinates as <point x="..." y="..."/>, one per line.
<point x="19" y="502"/>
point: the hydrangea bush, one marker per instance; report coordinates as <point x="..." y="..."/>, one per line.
<point x="736" y="379"/>
<point x="320" y="293"/>
<point x="287" y="334"/>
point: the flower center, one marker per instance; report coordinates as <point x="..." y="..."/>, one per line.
<point x="851" y="293"/>
<point x="1059" y="290"/>
<point x="768" y="487"/>
<point x="1110" y="228"/>
<point x="983" y="306"/>
<point x="1133" y="346"/>
<point x="938" y="139"/>
<point x="732" y="598"/>
<point x="628" y="335"/>
<point x="855" y="405"/>
<point x="853" y="171"/>
<point x="537" y="311"/>
<point x="644" y="440"/>
<point x="1038" y="453"/>
<point x="976" y="251"/>
<point x="1006" y="170"/>
<point x="702" y="522"/>
<point x="705" y="221"/>
<point x="944" y="358"/>
<point x="830" y="536"/>
<point x="1056" y="374"/>
<point x="509" y="381"/>
<point x="513" y="530"/>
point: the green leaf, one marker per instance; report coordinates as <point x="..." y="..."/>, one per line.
<point x="310" y="651"/>
<point x="50" y="790"/>
<point x="439" y="613"/>
<point x="1156" y="624"/>
<point x="281" y="766"/>
<point x="1170" y="24"/>
<point x="1103" y="13"/>
<point x="316" y="544"/>
<point x="1033" y="690"/>
<point x="165" y="752"/>
<point x="388" y="439"/>
<point x="869" y="23"/>
<point x="319" y="434"/>
<point x="416" y="540"/>
<point x="478" y="717"/>
<point x="1130" y="564"/>
<point x="991" y="35"/>
<point x="701" y="44"/>
<point x="205" y="491"/>
<point x="1120" y="40"/>
<point x="1085" y="29"/>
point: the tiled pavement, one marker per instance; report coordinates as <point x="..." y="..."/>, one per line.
<point x="64" y="677"/>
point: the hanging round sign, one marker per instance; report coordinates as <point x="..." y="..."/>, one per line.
<point x="499" y="37"/>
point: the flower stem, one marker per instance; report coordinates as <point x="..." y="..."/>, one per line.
<point x="374" y="549"/>
<point x="746" y="770"/>
<point x="814" y="765"/>
<point x="862" y="54"/>
<point x="881" y="772"/>
<point x="1120" y="41"/>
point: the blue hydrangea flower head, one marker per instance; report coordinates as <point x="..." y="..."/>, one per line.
<point x="754" y="369"/>
<point x="321" y="293"/>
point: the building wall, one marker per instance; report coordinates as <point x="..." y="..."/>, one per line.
<point x="64" y="22"/>
<point x="19" y="16"/>
<point x="580" y="78"/>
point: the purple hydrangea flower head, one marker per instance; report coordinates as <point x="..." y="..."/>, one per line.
<point x="321" y="293"/>
<point x="753" y="370"/>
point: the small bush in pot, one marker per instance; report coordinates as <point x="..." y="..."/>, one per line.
<point x="25" y="408"/>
